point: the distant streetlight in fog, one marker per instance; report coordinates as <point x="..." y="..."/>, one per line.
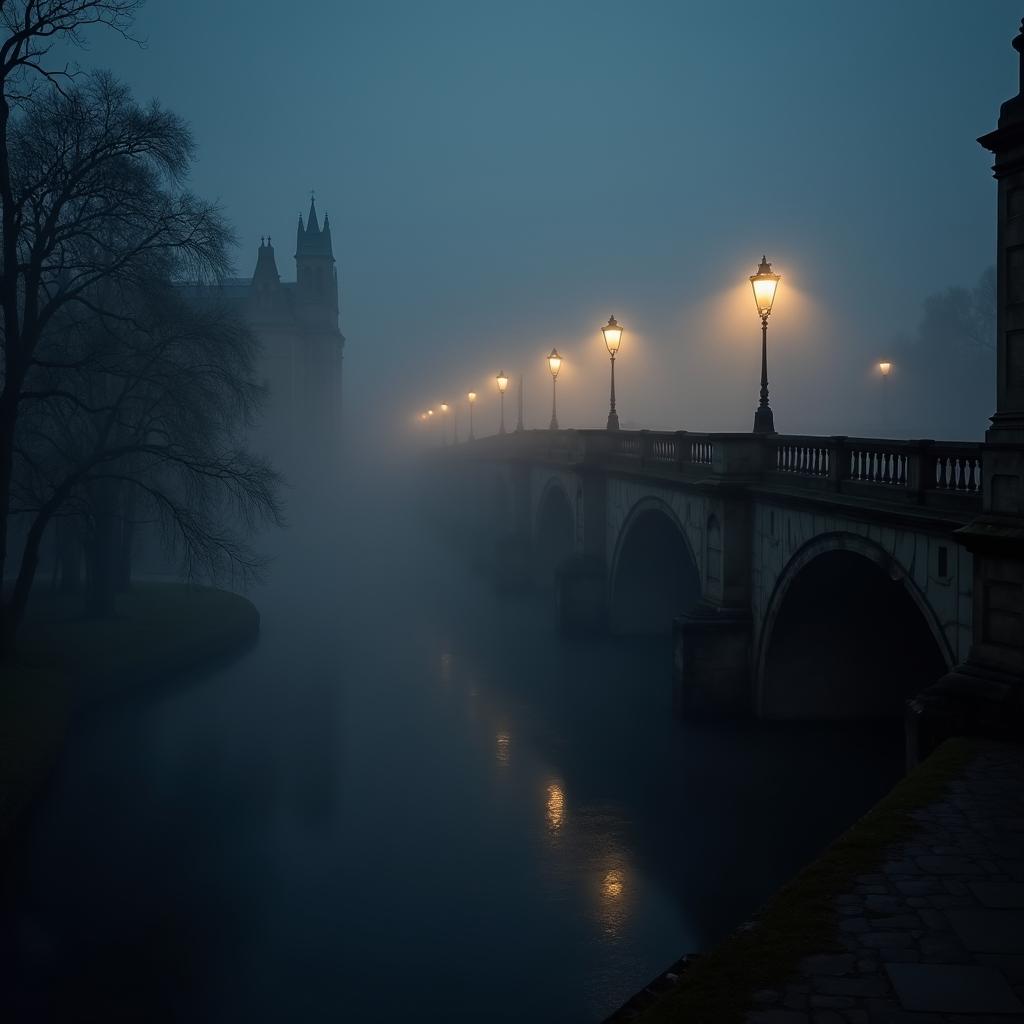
<point x="554" y="365"/>
<point x="444" y="426"/>
<point x="764" y="283"/>
<point x="472" y="398"/>
<point x="502" y="387"/>
<point x="612" y="332"/>
<point x="885" y="368"/>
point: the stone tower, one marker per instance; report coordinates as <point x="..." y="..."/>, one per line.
<point x="316" y="279"/>
<point x="986" y="693"/>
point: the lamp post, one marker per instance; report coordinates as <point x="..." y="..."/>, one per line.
<point x="554" y="365"/>
<point x="612" y="332"/>
<point x="502" y="387"/>
<point x="885" y="368"/>
<point x="472" y="398"/>
<point x="444" y="426"/>
<point x="764" y="283"/>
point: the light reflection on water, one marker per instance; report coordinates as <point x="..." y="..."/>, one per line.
<point x="502" y="741"/>
<point x="335" y="827"/>
<point x="555" y="807"/>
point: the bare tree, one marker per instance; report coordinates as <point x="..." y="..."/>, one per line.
<point x="93" y="206"/>
<point x="141" y="417"/>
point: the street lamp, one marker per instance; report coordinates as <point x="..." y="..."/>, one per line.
<point x="472" y="398"/>
<point x="554" y="365"/>
<point x="612" y="332"/>
<point x="885" y="368"/>
<point x="444" y="426"/>
<point x="764" y="283"/>
<point x="502" y="387"/>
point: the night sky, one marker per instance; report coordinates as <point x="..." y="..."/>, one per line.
<point x="502" y="176"/>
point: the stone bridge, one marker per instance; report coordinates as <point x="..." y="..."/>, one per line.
<point x="798" y="576"/>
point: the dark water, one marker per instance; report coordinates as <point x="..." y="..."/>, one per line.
<point x="411" y="800"/>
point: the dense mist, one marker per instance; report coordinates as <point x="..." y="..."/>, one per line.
<point x="502" y="179"/>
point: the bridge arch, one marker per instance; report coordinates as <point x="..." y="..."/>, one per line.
<point x="554" y="532"/>
<point x="847" y="633"/>
<point x="655" y="574"/>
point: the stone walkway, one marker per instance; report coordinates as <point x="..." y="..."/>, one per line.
<point x="937" y="936"/>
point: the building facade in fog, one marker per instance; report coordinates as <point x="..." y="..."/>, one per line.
<point x="297" y="324"/>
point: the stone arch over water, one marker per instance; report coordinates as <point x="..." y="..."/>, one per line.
<point x="654" y="575"/>
<point x="847" y="634"/>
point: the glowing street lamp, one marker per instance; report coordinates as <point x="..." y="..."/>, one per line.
<point x="444" y="426"/>
<point x="554" y="365"/>
<point x="612" y="332"/>
<point x="472" y="398"/>
<point x="885" y="368"/>
<point x="502" y="388"/>
<point x="764" y="283"/>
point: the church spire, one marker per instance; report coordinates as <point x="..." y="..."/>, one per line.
<point x="312" y="224"/>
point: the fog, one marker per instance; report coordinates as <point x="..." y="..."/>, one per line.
<point x="421" y="788"/>
<point x="502" y="178"/>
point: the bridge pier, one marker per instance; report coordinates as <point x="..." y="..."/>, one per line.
<point x="711" y="662"/>
<point x="581" y="589"/>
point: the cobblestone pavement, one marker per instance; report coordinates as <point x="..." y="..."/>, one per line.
<point x="937" y="936"/>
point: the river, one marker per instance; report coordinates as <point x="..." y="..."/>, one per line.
<point x="412" y="799"/>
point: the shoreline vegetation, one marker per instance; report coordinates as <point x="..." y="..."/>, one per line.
<point x="68" y="662"/>
<point x="801" y="918"/>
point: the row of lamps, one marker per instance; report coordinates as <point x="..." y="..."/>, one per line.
<point x="764" y="283"/>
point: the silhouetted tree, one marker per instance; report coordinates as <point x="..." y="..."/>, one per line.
<point x="138" y="417"/>
<point x="944" y="370"/>
<point x="94" y="214"/>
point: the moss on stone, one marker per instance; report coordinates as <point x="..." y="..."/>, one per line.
<point x="801" y="918"/>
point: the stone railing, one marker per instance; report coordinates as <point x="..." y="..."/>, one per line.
<point x="925" y="472"/>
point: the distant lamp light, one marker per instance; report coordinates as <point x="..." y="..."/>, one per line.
<point x="502" y="388"/>
<point x="430" y="412"/>
<point x="764" y="283"/>
<point x="444" y="407"/>
<point x="885" y="367"/>
<point x="554" y="365"/>
<point x="471" y="396"/>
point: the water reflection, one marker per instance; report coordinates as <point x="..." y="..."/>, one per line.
<point x="611" y="887"/>
<point x="503" y="749"/>
<point x="612" y="904"/>
<point x="555" y="807"/>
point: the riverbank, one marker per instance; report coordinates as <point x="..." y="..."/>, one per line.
<point x="68" y="662"/>
<point x="919" y="907"/>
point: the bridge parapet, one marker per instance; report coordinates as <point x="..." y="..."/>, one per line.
<point x="944" y="475"/>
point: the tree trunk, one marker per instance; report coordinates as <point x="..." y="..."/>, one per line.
<point x="105" y="547"/>
<point x="126" y="548"/>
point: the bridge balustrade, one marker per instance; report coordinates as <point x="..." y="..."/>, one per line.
<point x="924" y="472"/>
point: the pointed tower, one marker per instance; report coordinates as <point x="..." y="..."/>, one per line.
<point x="265" y="277"/>
<point x="317" y="283"/>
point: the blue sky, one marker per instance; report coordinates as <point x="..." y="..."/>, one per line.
<point x="502" y="176"/>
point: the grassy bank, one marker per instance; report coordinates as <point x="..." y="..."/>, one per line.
<point x="68" y="661"/>
<point x="801" y="919"/>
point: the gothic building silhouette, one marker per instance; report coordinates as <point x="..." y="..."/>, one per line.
<point x="297" y="324"/>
